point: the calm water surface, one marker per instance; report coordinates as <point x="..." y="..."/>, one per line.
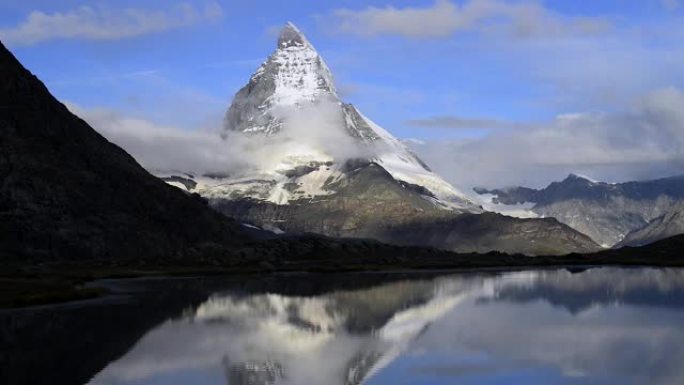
<point x="600" y="326"/>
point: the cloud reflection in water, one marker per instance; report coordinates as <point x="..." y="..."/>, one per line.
<point x="598" y="326"/>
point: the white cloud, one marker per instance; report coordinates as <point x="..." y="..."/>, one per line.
<point x="646" y="142"/>
<point x="309" y="130"/>
<point x="102" y="23"/>
<point x="159" y="147"/>
<point x="445" y="18"/>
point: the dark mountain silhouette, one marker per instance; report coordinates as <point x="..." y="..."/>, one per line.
<point x="67" y="193"/>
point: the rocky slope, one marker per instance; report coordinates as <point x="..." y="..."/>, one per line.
<point x="631" y="213"/>
<point x="66" y="193"/>
<point x="664" y="226"/>
<point x="369" y="203"/>
<point x="333" y="171"/>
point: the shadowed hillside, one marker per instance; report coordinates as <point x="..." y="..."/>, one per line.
<point x="67" y="193"/>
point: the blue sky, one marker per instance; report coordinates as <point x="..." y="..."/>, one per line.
<point x="436" y="70"/>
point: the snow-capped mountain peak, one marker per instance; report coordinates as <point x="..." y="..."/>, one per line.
<point x="294" y="75"/>
<point x="291" y="103"/>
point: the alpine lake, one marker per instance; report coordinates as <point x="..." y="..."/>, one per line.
<point x="551" y="326"/>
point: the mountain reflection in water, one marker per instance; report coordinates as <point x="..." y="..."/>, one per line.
<point x="601" y="326"/>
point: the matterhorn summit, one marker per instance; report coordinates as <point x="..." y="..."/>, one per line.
<point x="295" y="83"/>
<point x="294" y="75"/>
<point x="306" y="161"/>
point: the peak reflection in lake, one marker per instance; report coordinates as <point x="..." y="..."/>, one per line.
<point x="601" y="326"/>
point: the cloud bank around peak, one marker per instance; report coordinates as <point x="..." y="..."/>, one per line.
<point x="159" y="147"/>
<point x="106" y="23"/>
<point x="312" y="131"/>
<point x="644" y="142"/>
<point x="445" y="18"/>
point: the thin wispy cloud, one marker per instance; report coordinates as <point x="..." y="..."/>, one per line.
<point x="160" y="99"/>
<point x="105" y="23"/>
<point x="107" y="80"/>
<point x="671" y="5"/>
<point x="457" y="122"/>
<point x="445" y="18"/>
<point x="246" y="63"/>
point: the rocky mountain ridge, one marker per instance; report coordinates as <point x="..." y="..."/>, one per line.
<point x="630" y="213"/>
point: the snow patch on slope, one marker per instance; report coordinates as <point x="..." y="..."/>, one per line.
<point x="403" y="165"/>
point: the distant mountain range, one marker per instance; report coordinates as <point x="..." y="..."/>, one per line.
<point x="344" y="175"/>
<point x="613" y="214"/>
